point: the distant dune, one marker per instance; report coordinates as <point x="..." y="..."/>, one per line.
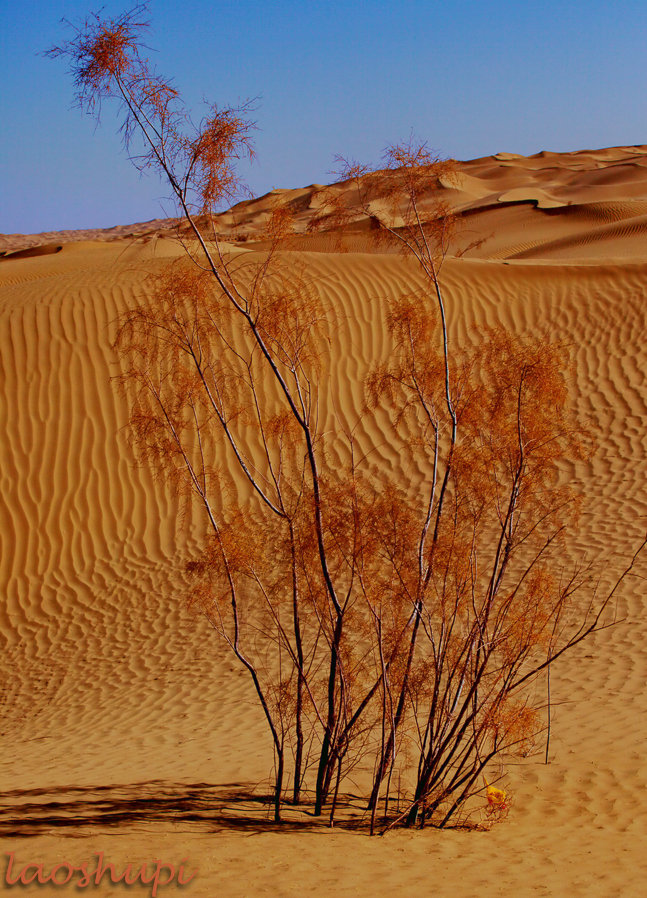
<point x="122" y="714"/>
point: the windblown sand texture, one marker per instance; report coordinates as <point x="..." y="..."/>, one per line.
<point x="125" y="727"/>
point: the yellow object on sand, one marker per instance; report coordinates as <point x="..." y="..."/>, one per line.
<point x="495" y="797"/>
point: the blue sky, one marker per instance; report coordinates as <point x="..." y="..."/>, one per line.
<point x="472" y="78"/>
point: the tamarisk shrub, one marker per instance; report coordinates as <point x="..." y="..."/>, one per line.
<point x="388" y="626"/>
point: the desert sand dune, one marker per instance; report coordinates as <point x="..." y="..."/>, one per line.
<point x="122" y="715"/>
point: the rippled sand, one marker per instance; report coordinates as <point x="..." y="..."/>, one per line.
<point x="125" y="728"/>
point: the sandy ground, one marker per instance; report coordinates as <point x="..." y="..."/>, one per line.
<point x="125" y="728"/>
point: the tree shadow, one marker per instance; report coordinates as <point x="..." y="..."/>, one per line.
<point x="208" y="807"/>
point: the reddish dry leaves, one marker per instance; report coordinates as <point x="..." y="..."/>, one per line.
<point x="107" y="60"/>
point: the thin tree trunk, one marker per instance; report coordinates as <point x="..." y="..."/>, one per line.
<point x="298" y="760"/>
<point x="336" y="793"/>
<point x="549" y="710"/>
<point x="279" y="785"/>
<point x="388" y="750"/>
<point x="323" y="774"/>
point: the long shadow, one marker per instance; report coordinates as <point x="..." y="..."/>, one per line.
<point x="207" y="806"/>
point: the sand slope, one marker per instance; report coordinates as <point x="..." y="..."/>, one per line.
<point x="122" y="715"/>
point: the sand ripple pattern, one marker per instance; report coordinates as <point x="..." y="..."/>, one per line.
<point x="117" y="702"/>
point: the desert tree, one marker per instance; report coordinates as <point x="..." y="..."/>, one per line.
<point x="193" y="356"/>
<point x="383" y="626"/>
<point x="222" y="360"/>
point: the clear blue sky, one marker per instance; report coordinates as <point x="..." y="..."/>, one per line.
<point x="471" y="77"/>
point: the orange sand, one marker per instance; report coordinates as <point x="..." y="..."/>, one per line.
<point x="125" y="728"/>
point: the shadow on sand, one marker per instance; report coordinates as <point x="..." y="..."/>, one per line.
<point x="208" y="807"/>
